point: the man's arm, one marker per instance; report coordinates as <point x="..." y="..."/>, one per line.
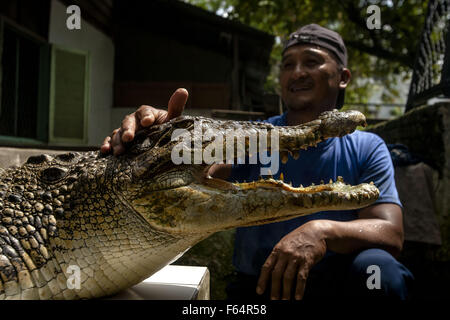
<point x="378" y="226"/>
<point x="381" y="226"/>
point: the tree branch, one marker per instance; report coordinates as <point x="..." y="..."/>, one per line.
<point x="380" y="52"/>
<point x="353" y="14"/>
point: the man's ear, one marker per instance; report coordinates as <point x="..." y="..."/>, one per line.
<point x="345" y="78"/>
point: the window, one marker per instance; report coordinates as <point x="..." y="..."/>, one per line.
<point x="44" y="91"/>
<point x="22" y="94"/>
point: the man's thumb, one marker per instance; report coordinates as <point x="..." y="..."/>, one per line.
<point x="176" y="103"/>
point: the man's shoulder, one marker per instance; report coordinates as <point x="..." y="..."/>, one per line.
<point x="279" y="120"/>
<point x="363" y="144"/>
<point x="366" y="145"/>
<point x="364" y="136"/>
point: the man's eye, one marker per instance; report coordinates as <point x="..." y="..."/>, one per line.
<point x="311" y="62"/>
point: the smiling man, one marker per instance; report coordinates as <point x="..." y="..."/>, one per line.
<point x="327" y="254"/>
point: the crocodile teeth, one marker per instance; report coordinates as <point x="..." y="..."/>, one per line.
<point x="284" y="157"/>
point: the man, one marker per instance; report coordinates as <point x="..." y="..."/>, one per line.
<point x="345" y="253"/>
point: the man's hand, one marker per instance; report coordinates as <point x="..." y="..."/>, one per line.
<point x="291" y="260"/>
<point x="143" y="117"/>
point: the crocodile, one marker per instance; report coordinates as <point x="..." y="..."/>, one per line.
<point x="116" y="220"/>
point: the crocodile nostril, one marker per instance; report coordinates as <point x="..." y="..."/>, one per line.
<point x="39" y="159"/>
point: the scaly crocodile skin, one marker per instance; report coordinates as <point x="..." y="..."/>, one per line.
<point x="120" y="219"/>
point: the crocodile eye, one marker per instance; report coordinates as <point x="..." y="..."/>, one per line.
<point x="183" y="123"/>
<point x="66" y="157"/>
<point x="53" y="174"/>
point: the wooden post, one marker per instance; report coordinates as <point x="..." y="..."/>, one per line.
<point x="235" y="83"/>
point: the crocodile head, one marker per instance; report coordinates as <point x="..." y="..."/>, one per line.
<point x="120" y="219"/>
<point x="182" y="198"/>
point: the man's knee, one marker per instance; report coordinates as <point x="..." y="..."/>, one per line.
<point x="374" y="272"/>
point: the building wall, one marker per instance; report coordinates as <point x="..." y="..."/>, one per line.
<point x="101" y="50"/>
<point x="146" y="55"/>
<point x="150" y="65"/>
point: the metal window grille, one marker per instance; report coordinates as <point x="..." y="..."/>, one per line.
<point x="431" y="75"/>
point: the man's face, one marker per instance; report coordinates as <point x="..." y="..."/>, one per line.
<point x="310" y="78"/>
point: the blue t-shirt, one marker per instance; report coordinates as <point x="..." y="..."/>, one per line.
<point x="357" y="157"/>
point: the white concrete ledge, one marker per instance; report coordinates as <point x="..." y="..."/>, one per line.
<point x="171" y="283"/>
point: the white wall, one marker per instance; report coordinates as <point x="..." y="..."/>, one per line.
<point x="101" y="49"/>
